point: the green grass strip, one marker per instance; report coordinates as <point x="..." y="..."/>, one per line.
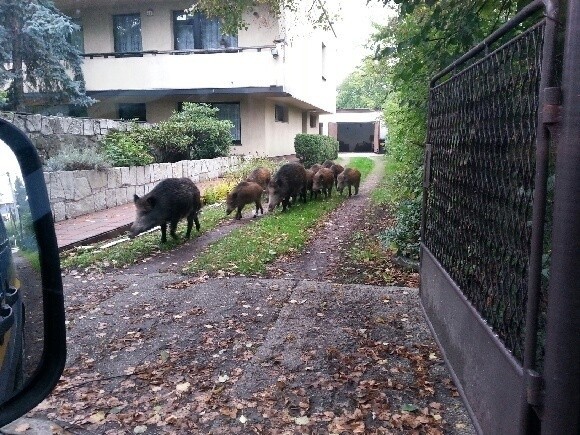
<point x="249" y="249"/>
<point x="131" y="251"/>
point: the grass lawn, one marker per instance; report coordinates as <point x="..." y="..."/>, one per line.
<point x="247" y="250"/>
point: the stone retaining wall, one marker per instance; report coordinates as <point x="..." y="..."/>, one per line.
<point x="50" y="133"/>
<point x="74" y="193"/>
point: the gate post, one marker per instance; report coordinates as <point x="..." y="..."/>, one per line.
<point x="562" y="359"/>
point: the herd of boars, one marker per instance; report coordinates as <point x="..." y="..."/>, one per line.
<point x="176" y="198"/>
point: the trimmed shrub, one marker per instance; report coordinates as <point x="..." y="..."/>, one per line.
<point x="70" y="158"/>
<point x="403" y="238"/>
<point x="315" y="148"/>
<point x="123" y="149"/>
<point x="242" y="171"/>
<point x="217" y="192"/>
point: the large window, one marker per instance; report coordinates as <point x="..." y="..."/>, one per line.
<point x="231" y="112"/>
<point x="130" y="111"/>
<point x="127" y="33"/>
<point x="195" y="31"/>
<point x="280" y="113"/>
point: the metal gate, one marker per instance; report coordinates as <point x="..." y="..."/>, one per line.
<point x="498" y="284"/>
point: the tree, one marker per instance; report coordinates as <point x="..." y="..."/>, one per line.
<point x="231" y="12"/>
<point x="366" y="87"/>
<point x="36" y="53"/>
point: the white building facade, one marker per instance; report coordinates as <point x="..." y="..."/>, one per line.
<point x="143" y="59"/>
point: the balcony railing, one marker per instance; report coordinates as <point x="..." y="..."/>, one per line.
<point x="257" y="48"/>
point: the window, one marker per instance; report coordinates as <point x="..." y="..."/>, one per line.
<point x="231" y="112"/>
<point x="313" y="120"/>
<point x="281" y="113"/>
<point x="130" y="111"/>
<point x="76" y="38"/>
<point x="127" y="33"/>
<point x="196" y="31"/>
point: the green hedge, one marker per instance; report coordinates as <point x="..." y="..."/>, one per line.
<point x="191" y="134"/>
<point x="314" y="148"/>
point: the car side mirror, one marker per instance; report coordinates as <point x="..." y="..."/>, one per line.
<point x="32" y="327"/>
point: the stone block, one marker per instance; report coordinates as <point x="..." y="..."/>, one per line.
<point x="75" y="127"/>
<point x="8" y="116"/>
<point x="67" y="182"/>
<point x="111" y="198"/>
<point x="147" y="174"/>
<point x="140" y="171"/>
<point x="121" y="195"/>
<point x="131" y="190"/>
<point x="177" y="170"/>
<point x="82" y="188"/>
<point x="88" y="127"/>
<point x="19" y="121"/>
<point x="46" y="126"/>
<point x="33" y="123"/>
<point x="79" y="208"/>
<point x="140" y="190"/>
<point x="97" y="180"/>
<point x="133" y="175"/>
<point x="58" y="211"/>
<point x="100" y="199"/>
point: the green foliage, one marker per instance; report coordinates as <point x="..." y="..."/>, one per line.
<point x="70" y="158"/>
<point x="366" y="87"/>
<point x="314" y="148"/>
<point x="192" y="134"/>
<point x="241" y="172"/>
<point x="34" y="40"/>
<point x="403" y="237"/>
<point x="217" y="192"/>
<point x="123" y="149"/>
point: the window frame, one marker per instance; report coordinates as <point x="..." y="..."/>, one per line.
<point x="281" y="113"/>
<point x="116" y="42"/>
<point x="127" y="105"/>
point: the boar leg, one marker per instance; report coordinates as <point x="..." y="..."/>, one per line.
<point x="356" y="189"/>
<point x="173" y="228"/>
<point x="196" y="220"/>
<point x="190" y="218"/>
<point x="259" y="207"/>
<point x="164" y="232"/>
<point x="349" y="194"/>
<point x="239" y="213"/>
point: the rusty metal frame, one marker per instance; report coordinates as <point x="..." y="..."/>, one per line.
<point x="502" y="395"/>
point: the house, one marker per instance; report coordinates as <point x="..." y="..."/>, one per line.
<point x="356" y="129"/>
<point x="143" y="59"/>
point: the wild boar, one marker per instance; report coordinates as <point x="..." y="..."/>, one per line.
<point x="309" y="180"/>
<point x="289" y="182"/>
<point x="323" y="181"/>
<point x="246" y="192"/>
<point x="170" y="201"/>
<point x="328" y="163"/>
<point x="261" y="176"/>
<point x="349" y="177"/>
<point x="315" y="167"/>
<point x="336" y="169"/>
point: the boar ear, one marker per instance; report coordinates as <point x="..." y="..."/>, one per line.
<point x="135" y="198"/>
<point x="152" y="201"/>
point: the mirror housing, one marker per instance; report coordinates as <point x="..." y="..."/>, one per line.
<point x="53" y="356"/>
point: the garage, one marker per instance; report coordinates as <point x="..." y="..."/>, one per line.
<point x="357" y="130"/>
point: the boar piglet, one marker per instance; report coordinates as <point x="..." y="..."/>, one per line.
<point x="315" y="167"/>
<point x="349" y="177"/>
<point x="170" y="201"/>
<point x="336" y="169"/>
<point x="246" y="192"/>
<point x="261" y="176"/>
<point x="288" y="182"/>
<point x="327" y="163"/>
<point x="309" y="180"/>
<point x="323" y="182"/>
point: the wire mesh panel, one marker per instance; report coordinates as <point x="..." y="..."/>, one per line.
<point x="482" y="132"/>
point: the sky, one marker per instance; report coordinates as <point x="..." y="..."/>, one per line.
<point x="354" y="30"/>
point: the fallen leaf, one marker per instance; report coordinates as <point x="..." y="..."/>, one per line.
<point x="243" y="419"/>
<point x="301" y="421"/>
<point x="97" y="417"/>
<point x="182" y="388"/>
<point x="140" y="429"/>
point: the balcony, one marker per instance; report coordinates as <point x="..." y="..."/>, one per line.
<point x="239" y="67"/>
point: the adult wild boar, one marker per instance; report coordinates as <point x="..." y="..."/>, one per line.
<point x="349" y="177"/>
<point x="246" y="192"/>
<point x="323" y="181"/>
<point x="170" y="201"/>
<point x="336" y="169"/>
<point x="288" y="182"/>
<point x="261" y="176"/>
